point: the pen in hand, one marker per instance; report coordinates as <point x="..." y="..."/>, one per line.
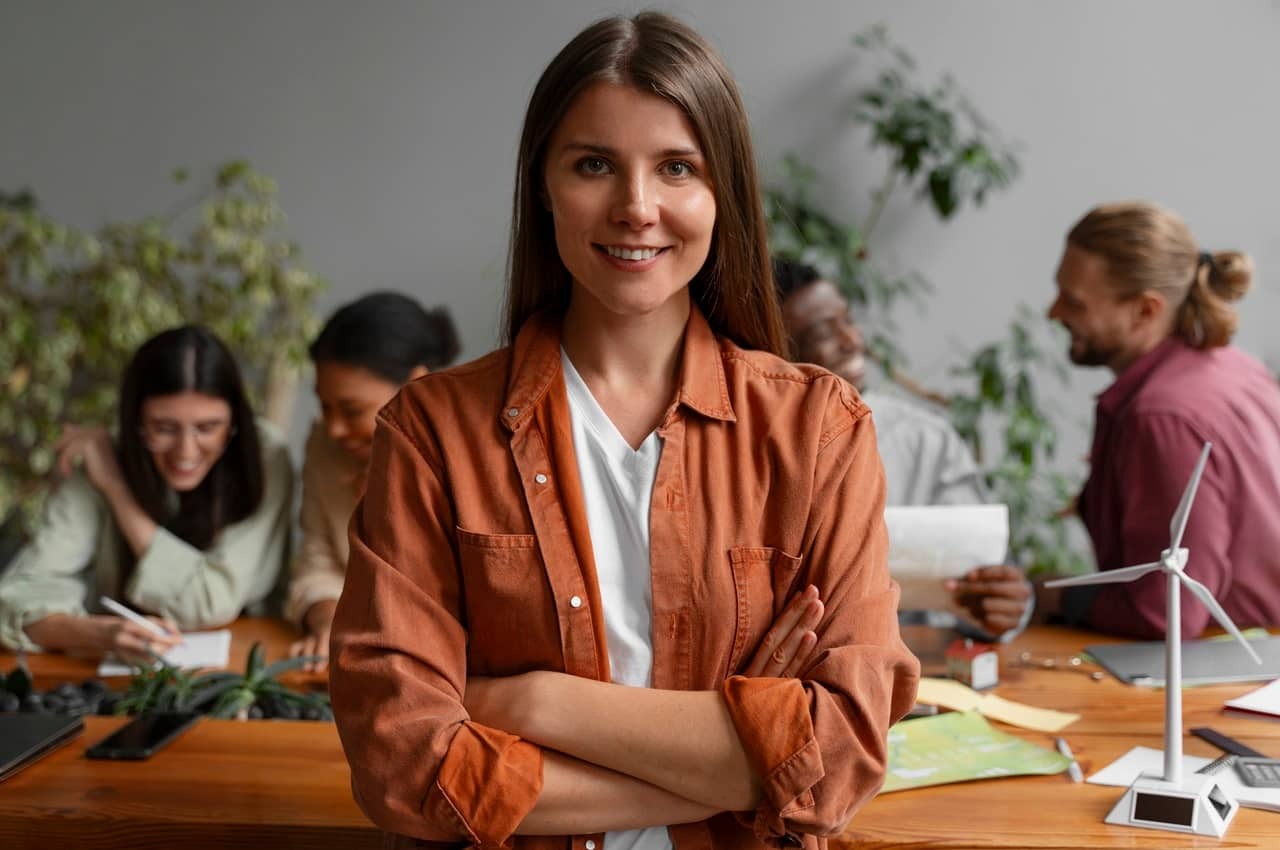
<point x="134" y="617"/>
<point x="1073" y="769"/>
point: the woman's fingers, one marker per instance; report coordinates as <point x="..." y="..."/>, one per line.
<point x="318" y="644"/>
<point x="787" y="659"/>
<point x="777" y="650"/>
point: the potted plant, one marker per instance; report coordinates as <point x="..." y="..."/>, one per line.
<point x="76" y="306"/>
<point x="256" y="693"/>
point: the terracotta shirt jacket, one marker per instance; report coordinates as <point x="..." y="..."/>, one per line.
<point x="470" y="554"/>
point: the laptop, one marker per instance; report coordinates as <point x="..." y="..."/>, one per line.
<point x="1204" y="662"/>
<point x="25" y="738"/>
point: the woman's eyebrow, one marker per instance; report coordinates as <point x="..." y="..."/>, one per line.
<point x="604" y="150"/>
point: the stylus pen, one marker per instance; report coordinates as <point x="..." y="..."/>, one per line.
<point x="1073" y="769"/>
<point x="133" y="616"/>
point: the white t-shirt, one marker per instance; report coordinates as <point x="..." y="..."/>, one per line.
<point x="617" y="487"/>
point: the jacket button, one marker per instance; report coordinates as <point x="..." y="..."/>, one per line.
<point x="575" y="601"/>
<point x="540" y="478"/>
<point x="590" y="844"/>
<point x="513" y="412"/>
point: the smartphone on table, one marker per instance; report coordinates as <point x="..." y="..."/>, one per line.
<point x="142" y="736"/>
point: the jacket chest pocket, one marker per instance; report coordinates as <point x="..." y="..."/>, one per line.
<point x="762" y="583"/>
<point x="511" y="624"/>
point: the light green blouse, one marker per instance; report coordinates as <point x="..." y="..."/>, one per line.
<point x="78" y="554"/>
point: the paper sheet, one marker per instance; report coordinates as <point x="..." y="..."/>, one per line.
<point x="1139" y="760"/>
<point x="958" y="747"/>
<point x="958" y="696"/>
<point x="1264" y="700"/>
<point x="930" y="543"/>
<point x="198" y="649"/>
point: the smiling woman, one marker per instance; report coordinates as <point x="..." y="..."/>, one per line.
<point x="184" y="514"/>
<point x="625" y="580"/>
<point x="363" y="354"/>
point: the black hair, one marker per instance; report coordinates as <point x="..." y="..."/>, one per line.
<point x="191" y="359"/>
<point x="389" y="334"/>
<point x="790" y="276"/>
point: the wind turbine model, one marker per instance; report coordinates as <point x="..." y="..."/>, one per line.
<point x="1195" y="803"/>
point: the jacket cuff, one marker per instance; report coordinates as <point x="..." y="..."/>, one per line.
<point x="772" y="719"/>
<point x="13" y="625"/>
<point x="488" y="783"/>
<point x="307" y="591"/>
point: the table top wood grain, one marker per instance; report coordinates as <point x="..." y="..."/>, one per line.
<point x="285" y="784"/>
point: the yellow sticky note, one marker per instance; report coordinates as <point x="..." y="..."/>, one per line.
<point x="958" y="696"/>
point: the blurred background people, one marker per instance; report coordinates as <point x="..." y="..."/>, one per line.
<point x="367" y="350"/>
<point x="183" y="515"/>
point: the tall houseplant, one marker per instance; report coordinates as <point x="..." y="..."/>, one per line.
<point x="944" y="153"/>
<point x="77" y="304"/>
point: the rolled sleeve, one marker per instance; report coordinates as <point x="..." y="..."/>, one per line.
<point x="419" y="766"/>
<point x="772" y="719"/>
<point x="53" y="572"/>
<point x="481" y="759"/>
<point x="819" y="743"/>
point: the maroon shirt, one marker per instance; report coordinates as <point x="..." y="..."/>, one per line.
<point x="1151" y="425"/>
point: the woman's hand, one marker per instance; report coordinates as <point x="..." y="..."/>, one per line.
<point x="92" y="447"/>
<point x="134" y="643"/>
<point x="785" y="648"/>
<point x="317" y="622"/>
<point x="995" y="596"/>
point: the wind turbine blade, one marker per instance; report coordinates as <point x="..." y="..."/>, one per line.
<point x="1179" y="522"/>
<point x="1106" y="576"/>
<point x="1202" y="593"/>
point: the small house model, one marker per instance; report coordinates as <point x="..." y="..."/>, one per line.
<point x="975" y="664"/>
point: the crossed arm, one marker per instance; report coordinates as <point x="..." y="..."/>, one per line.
<point x="625" y="757"/>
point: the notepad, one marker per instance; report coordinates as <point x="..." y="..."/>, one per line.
<point x="25" y="738"/>
<point x="198" y="649"/>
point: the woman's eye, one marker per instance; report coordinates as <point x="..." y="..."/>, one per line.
<point x="593" y="165"/>
<point x="679" y="168"/>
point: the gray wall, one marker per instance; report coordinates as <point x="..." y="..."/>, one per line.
<point x="391" y="128"/>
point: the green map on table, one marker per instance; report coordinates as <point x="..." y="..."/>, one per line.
<point x="959" y="746"/>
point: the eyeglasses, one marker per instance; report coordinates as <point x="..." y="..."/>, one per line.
<point x="161" y="436"/>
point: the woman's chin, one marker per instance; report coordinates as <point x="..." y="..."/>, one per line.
<point x="181" y="481"/>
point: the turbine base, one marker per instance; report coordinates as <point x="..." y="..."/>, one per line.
<point x="1196" y="805"/>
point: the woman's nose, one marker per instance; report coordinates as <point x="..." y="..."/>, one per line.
<point x="636" y="205"/>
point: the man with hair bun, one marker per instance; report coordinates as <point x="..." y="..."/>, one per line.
<point x="1138" y="296"/>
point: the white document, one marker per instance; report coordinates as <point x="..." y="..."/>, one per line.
<point x="198" y="649"/>
<point x="1265" y="700"/>
<point x="1139" y="760"/>
<point x="928" y="544"/>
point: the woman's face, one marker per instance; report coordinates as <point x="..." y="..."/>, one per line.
<point x="633" y="206"/>
<point x="350" y="398"/>
<point x="185" y="433"/>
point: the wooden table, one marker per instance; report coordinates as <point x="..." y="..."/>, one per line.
<point x="1052" y="811"/>
<point x="285" y="784"/>
<point x="222" y="783"/>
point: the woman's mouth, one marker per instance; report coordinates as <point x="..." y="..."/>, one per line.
<point x="631" y="258"/>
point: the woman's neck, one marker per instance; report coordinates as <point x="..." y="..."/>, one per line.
<point x="631" y="364"/>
